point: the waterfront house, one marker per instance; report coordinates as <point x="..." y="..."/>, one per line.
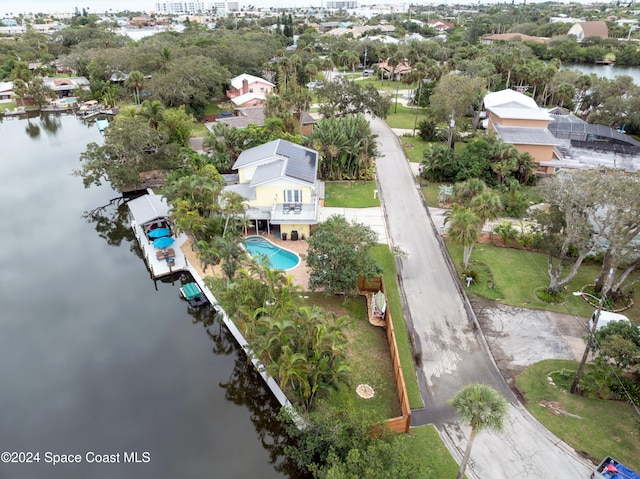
<point x="279" y="182"/>
<point x="583" y="30"/>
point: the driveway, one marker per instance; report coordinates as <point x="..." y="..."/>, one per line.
<point x="371" y="217"/>
<point x="449" y="345"/>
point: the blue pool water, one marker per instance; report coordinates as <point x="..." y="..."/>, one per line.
<point x="278" y="257"/>
<point x="67" y="101"/>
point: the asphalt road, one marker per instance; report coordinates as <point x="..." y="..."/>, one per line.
<point x="448" y="341"/>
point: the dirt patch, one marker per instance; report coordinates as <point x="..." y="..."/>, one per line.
<point x="557" y="409"/>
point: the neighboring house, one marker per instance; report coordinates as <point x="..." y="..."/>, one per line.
<point x="249" y="100"/>
<point x="254" y="115"/>
<point x="516" y="119"/>
<point x="583" y="30"/>
<point x="65" y="86"/>
<point x="439" y="26"/>
<point x="279" y="181"/>
<point x="512" y="37"/>
<point x="6" y="90"/>
<point x="248" y="84"/>
<point x="399" y="70"/>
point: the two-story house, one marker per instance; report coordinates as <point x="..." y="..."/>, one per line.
<point x="279" y="181"/>
<point x="248" y="90"/>
<point x="516" y="119"/>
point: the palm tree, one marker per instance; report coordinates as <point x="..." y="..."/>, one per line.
<point x="487" y="206"/>
<point x="464" y="229"/>
<point x="135" y="82"/>
<point x="153" y="112"/>
<point x="482" y="407"/>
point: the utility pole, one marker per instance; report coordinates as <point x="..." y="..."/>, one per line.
<point x="592" y="331"/>
<point x="452" y="124"/>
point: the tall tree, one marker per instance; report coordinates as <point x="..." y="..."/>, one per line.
<point x="482" y="407"/>
<point x="339" y="253"/>
<point x="135" y="82"/>
<point x="464" y="229"/>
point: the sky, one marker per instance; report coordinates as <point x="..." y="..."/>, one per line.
<point x="35" y="6"/>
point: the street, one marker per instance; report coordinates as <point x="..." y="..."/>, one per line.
<point x="448" y="341"/>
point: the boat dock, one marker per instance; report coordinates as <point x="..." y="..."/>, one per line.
<point x="148" y="212"/>
<point x="161" y="262"/>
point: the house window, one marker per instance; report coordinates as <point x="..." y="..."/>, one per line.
<point x="250" y="90"/>
<point x="262" y="89"/>
<point x="293" y="196"/>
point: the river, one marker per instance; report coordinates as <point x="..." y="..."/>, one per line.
<point x="605" y="71"/>
<point x="96" y="358"/>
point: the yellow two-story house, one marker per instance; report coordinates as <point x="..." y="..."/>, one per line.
<point x="279" y="181"/>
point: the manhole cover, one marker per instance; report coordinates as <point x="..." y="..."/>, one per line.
<point x="365" y="391"/>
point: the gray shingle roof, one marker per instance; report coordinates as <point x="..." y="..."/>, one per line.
<point x="525" y="135"/>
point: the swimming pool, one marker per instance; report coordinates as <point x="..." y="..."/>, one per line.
<point x="67" y="101"/>
<point x="278" y="257"/>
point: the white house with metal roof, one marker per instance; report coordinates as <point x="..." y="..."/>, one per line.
<point x="279" y="181"/>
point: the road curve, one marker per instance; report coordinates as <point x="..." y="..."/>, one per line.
<point x="448" y="341"/>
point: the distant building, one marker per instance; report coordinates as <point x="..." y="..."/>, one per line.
<point x="180" y="8"/>
<point x="583" y="30"/>
<point x="223" y="7"/>
<point x="341" y="5"/>
<point x="9" y="22"/>
<point x="512" y="37"/>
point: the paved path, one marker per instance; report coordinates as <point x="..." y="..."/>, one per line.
<point x="449" y="342"/>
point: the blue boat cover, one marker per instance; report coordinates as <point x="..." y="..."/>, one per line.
<point x="619" y="471"/>
<point x="191" y="291"/>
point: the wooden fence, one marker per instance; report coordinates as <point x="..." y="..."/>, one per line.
<point x="401" y="423"/>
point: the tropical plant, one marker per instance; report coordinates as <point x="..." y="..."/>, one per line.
<point x="482" y="407"/>
<point x="347" y="147"/>
<point x="338" y="255"/>
<point x="464" y="229"/>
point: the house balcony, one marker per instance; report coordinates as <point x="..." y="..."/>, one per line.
<point x="293" y="213"/>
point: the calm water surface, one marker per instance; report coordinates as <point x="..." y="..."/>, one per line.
<point x="94" y="358"/>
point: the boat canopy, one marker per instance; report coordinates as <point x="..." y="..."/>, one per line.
<point x="191" y="291"/>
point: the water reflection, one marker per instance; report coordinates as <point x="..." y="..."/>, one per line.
<point x="244" y="387"/>
<point x="111" y="222"/>
<point x="50" y="123"/>
<point x="94" y="357"/>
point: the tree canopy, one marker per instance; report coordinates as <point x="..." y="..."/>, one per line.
<point x="338" y="254"/>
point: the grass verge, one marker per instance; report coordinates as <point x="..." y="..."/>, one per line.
<point x="517" y="274"/>
<point x="351" y="194"/>
<point x="385" y="259"/>
<point x="596" y="427"/>
<point x="414" y="147"/>
<point x="428" y="447"/>
<point x="405" y="116"/>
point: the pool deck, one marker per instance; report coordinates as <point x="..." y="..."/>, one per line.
<point x="300" y="273"/>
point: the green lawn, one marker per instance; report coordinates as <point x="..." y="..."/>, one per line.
<point x="511" y="276"/>
<point x="405" y="116"/>
<point x="369" y="357"/>
<point x="199" y="130"/>
<point x="427" y="446"/>
<point x="383" y="256"/>
<point x="414" y="147"/>
<point x="8" y="105"/>
<point x="602" y="428"/>
<point x="351" y="194"/>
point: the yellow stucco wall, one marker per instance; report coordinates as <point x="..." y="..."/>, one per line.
<point x="266" y="195"/>
<point x="301" y="229"/>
